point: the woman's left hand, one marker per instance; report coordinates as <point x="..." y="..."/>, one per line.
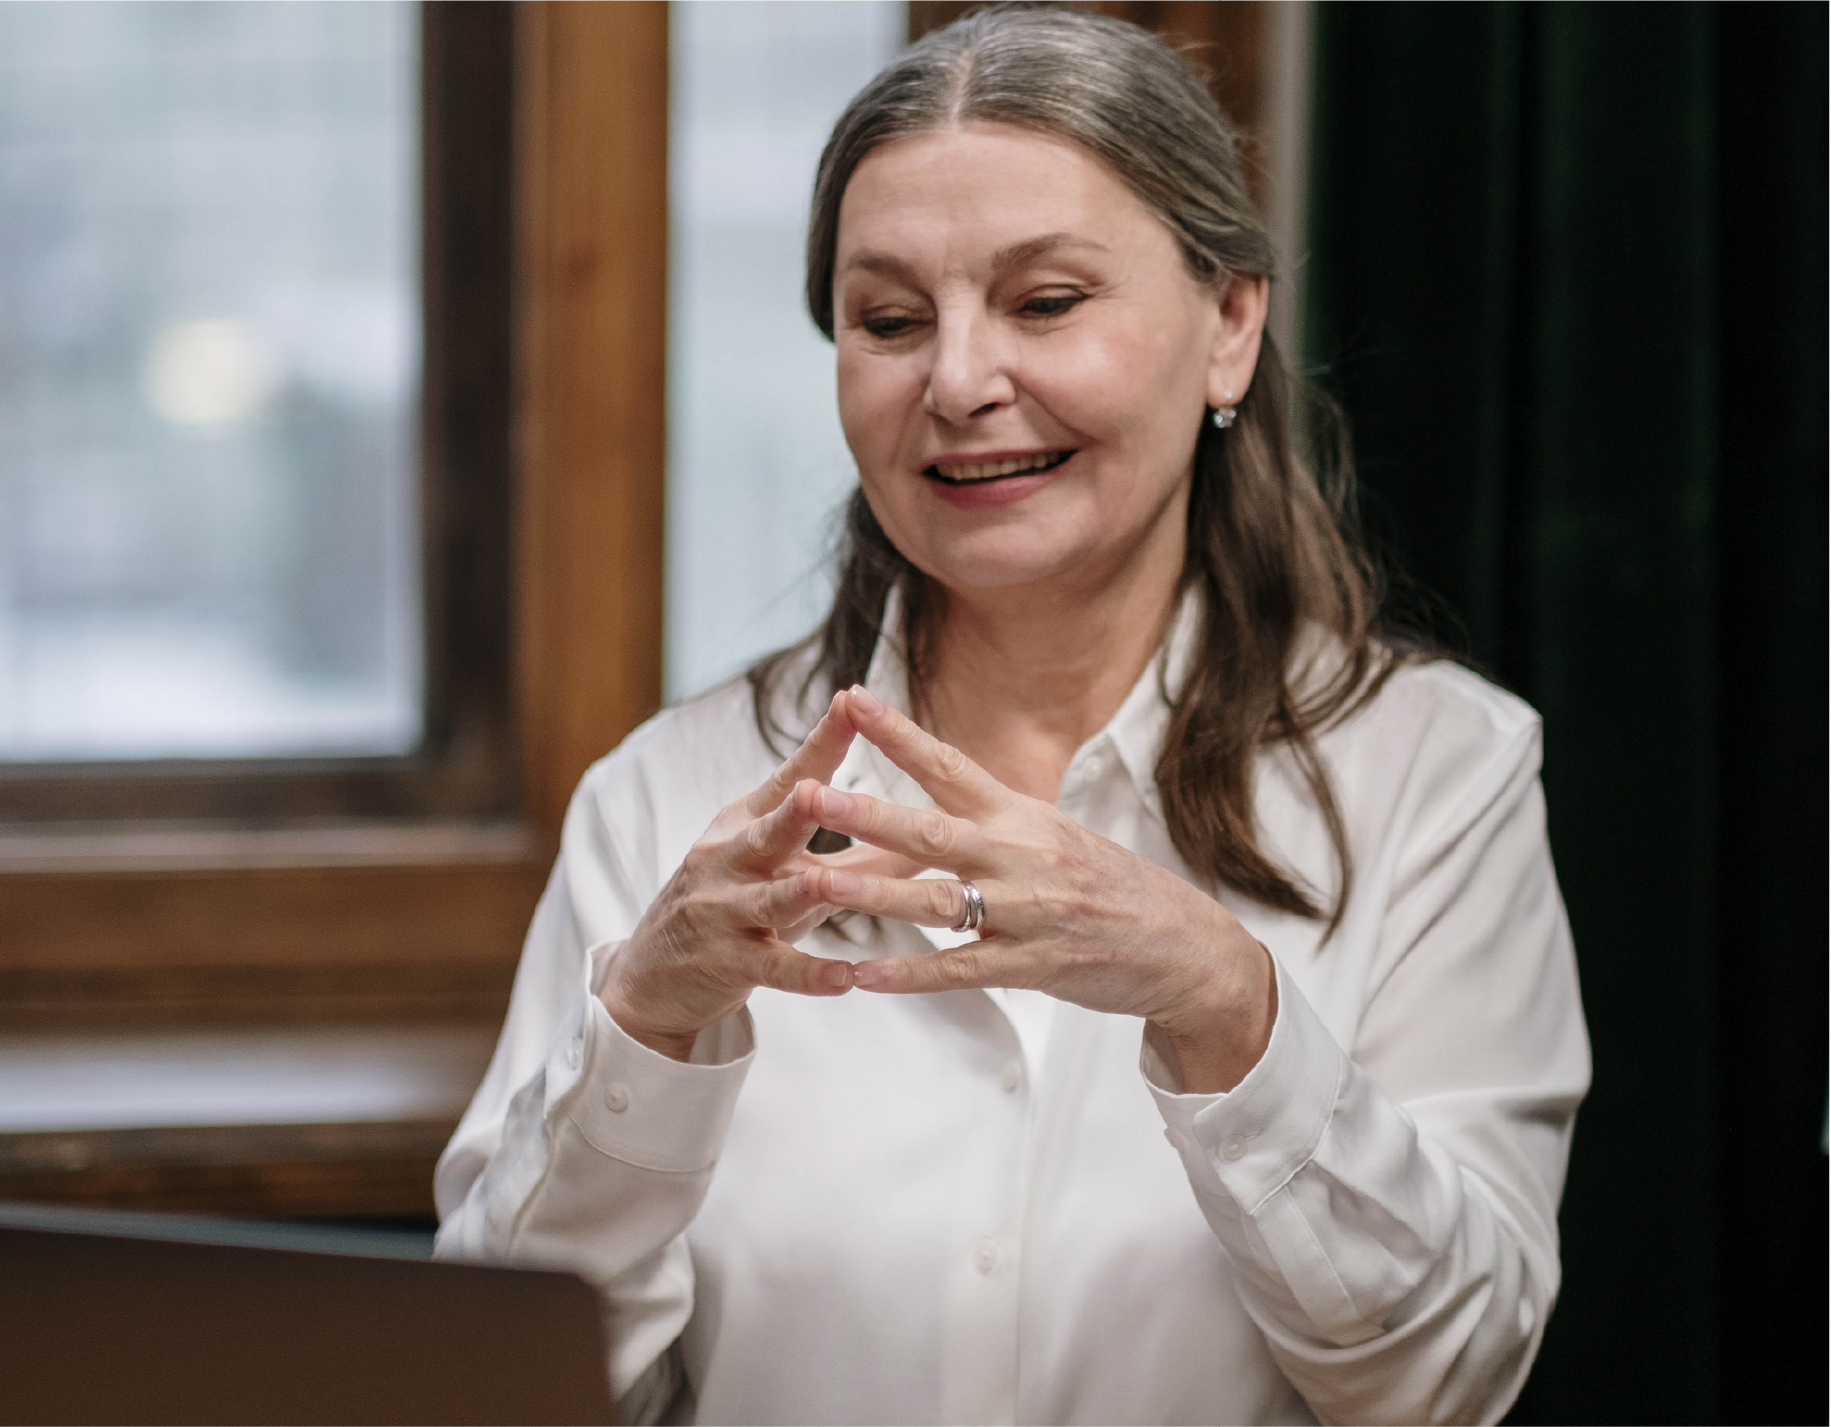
<point x="1067" y="912"/>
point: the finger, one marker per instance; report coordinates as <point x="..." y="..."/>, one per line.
<point x="819" y="757"/>
<point x="772" y="839"/>
<point x="871" y="861"/>
<point x="785" y="969"/>
<point x="924" y="835"/>
<point x="956" y="783"/>
<point x="922" y="901"/>
<point x="977" y="964"/>
<point x="782" y="902"/>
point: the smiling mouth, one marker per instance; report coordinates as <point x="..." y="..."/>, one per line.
<point x="970" y="474"/>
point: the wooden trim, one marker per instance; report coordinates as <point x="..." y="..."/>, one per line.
<point x="268" y="1171"/>
<point x="163" y="847"/>
<point x="264" y="943"/>
<point x="592" y="199"/>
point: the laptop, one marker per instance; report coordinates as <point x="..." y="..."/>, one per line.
<point x="144" y="1318"/>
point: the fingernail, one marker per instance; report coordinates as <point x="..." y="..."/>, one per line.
<point x="841" y="883"/>
<point x="837" y="975"/>
<point x="868" y="976"/>
<point x="830" y="800"/>
<point x="865" y="700"/>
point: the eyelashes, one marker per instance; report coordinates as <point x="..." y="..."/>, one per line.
<point x="887" y="328"/>
<point x="1054" y="305"/>
<point x="1038" y="309"/>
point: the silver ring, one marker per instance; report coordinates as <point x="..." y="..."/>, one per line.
<point x="974" y="916"/>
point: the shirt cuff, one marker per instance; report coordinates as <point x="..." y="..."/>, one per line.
<point x="1253" y="1138"/>
<point x="637" y="1105"/>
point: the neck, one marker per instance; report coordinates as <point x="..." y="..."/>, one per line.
<point x="1019" y="678"/>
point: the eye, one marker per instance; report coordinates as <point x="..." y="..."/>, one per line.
<point x="887" y="327"/>
<point x="1051" y="304"/>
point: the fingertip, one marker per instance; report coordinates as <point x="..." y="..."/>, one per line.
<point x="869" y="976"/>
<point x="865" y="701"/>
<point x="835" y="977"/>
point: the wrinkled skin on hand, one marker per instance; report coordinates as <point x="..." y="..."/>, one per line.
<point x="1069" y="913"/>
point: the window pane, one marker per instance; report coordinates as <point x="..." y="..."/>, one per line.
<point x="756" y="460"/>
<point x="209" y="363"/>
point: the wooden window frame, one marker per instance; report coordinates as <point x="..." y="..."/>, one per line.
<point x="403" y="888"/>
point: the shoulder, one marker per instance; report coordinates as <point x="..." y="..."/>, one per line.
<point x="1450" y="707"/>
<point x="1435" y="740"/>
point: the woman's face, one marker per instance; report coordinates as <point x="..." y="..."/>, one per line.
<point x="1024" y="359"/>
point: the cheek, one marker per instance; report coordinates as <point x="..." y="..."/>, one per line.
<point x="1125" y="383"/>
<point x="877" y="396"/>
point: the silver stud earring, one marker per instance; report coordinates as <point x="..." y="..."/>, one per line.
<point x="1223" y="416"/>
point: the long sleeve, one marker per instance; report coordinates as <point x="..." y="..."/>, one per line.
<point x="583" y="1149"/>
<point x="1389" y="1210"/>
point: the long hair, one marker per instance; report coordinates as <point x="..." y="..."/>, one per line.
<point x="1273" y="550"/>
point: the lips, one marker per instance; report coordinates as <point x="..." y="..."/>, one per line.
<point x="973" y="473"/>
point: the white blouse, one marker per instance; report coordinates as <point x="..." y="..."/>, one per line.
<point x="962" y="1207"/>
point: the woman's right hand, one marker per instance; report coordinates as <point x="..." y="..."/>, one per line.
<point x="724" y="923"/>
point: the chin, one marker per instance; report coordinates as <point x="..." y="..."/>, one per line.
<point x="996" y="559"/>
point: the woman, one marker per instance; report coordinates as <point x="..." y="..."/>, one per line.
<point x="1103" y="683"/>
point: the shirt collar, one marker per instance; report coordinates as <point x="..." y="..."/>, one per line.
<point x="1135" y="733"/>
<point x="1137" y="729"/>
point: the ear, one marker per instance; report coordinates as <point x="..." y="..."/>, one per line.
<point x="1235" y="354"/>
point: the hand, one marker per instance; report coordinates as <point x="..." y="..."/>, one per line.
<point x="724" y="923"/>
<point x="1067" y="912"/>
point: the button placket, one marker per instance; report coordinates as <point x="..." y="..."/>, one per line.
<point x="979" y="1367"/>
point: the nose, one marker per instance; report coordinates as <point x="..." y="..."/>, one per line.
<point x="971" y="375"/>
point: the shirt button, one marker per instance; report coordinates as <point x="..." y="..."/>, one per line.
<point x="574" y="1053"/>
<point x="1175" y="1137"/>
<point x="617" y="1099"/>
<point x="985" y="1257"/>
<point x="1233" y="1147"/>
<point x="1013" y="1076"/>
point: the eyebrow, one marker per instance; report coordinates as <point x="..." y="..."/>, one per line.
<point x="1016" y="255"/>
<point x="1031" y="249"/>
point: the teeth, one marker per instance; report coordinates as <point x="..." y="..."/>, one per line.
<point x="991" y="470"/>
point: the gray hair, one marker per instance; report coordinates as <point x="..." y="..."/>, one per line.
<point x="1119" y="92"/>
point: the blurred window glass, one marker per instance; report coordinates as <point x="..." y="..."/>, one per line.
<point x="757" y="465"/>
<point x="210" y="345"/>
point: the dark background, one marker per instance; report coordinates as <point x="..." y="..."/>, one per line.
<point x="1566" y="274"/>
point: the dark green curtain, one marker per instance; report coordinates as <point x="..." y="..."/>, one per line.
<point x="1566" y="274"/>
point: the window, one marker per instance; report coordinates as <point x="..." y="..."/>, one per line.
<point x="258" y="753"/>
<point x="209" y="373"/>
<point x="254" y="395"/>
<point x="756" y="460"/>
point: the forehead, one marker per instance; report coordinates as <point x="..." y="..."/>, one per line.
<point x="979" y="188"/>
